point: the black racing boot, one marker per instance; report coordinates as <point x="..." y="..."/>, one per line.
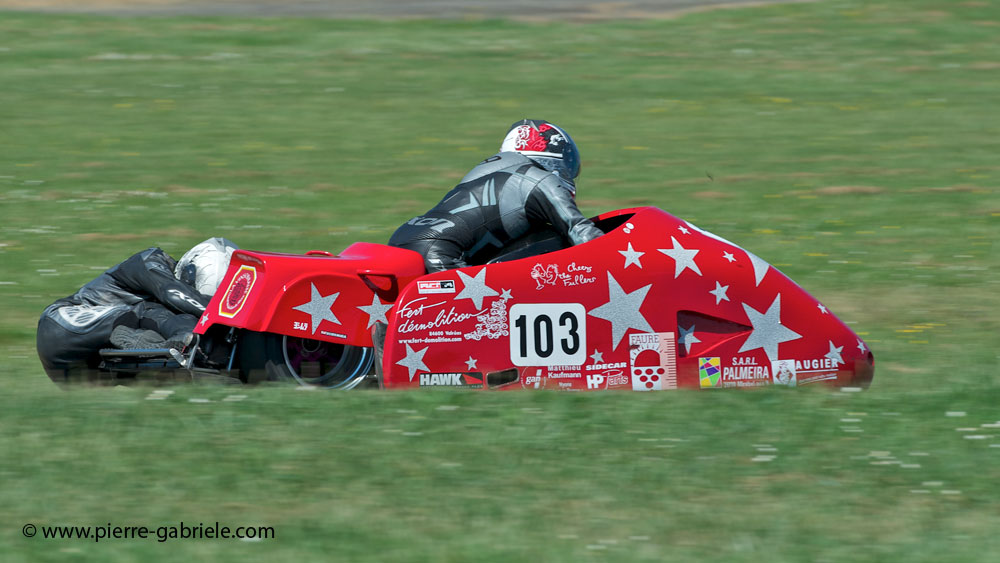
<point x="128" y="338"/>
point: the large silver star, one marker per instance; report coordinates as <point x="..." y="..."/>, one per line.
<point x="414" y="361"/>
<point x="376" y="311"/>
<point x="631" y="256"/>
<point x="683" y="257"/>
<point x="471" y="363"/>
<point x="622" y="310"/>
<point x="687" y="338"/>
<point x="319" y="307"/>
<point x="598" y="357"/>
<point x="834" y="353"/>
<point x="475" y="288"/>
<point x="760" y="267"/>
<point x="768" y="331"/>
<point x="720" y="293"/>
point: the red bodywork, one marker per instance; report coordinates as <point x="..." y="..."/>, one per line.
<point x="654" y="304"/>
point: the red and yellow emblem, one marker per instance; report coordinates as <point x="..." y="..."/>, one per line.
<point x="238" y="292"/>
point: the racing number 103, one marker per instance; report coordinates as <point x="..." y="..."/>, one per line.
<point x="545" y="334"/>
<point x="542" y="330"/>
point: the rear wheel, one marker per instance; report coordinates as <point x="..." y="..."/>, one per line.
<point x="277" y="357"/>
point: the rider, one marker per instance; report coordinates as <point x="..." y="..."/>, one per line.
<point x="528" y="184"/>
<point x="147" y="301"/>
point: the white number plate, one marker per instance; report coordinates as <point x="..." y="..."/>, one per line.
<point x="547" y="334"/>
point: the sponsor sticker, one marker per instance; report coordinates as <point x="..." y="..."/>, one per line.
<point x="783" y="372"/>
<point x="746" y="372"/>
<point x="533" y="379"/>
<point x="710" y="372"/>
<point x="653" y="361"/>
<point x="436" y="286"/>
<point x="816" y="370"/>
<point x="469" y="380"/>
<point x="491" y="323"/>
<point x="238" y="291"/>
<point x="550" y="275"/>
<point x="596" y="381"/>
<point x="417" y="313"/>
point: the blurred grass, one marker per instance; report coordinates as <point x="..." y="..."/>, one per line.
<point x="852" y="144"/>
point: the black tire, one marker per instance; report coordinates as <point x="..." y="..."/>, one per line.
<point x="265" y="356"/>
<point x="378" y="341"/>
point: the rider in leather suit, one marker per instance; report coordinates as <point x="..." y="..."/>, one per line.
<point x="143" y="292"/>
<point x="528" y="184"/>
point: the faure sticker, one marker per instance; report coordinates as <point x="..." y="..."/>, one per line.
<point x="653" y="361"/>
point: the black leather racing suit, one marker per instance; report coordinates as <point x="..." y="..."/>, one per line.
<point x="141" y="292"/>
<point x="499" y="200"/>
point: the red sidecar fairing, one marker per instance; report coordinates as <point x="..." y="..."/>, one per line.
<point x="654" y="304"/>
<point x="335" y="298"/>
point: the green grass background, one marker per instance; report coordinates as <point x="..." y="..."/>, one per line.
<point x="852" y="144"/>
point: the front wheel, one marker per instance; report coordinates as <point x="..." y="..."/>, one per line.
<point x="278" y="357"/>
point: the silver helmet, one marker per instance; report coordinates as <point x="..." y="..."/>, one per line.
<point x="204" y="266"/>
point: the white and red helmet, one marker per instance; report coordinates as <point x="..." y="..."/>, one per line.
<point x="546" y="144"/>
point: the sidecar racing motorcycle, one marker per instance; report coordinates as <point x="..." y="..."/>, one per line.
<point x="654" y="304"/>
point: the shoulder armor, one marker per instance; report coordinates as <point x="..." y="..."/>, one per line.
<point x="504" y="161"/>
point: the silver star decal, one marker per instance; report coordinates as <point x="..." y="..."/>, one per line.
<point x="376" y="311"/>
<point x="729" y="256"/>
<point x="475" y="288"/>
<point x="768" y="331"/>
<point x="760" y="267"/>
<point x="505" y="295"/>
<point x="319" y="308"/>
<point x="687" y="338"/>
<point x="720" y="293"/>
<point x="683" y="257"/>
<point x="471" y="363"/>
<point x="631" y="256"/>
<point x="683" y="230"/>
<point x="861" y="346"/>
<point x="834" y="353"/>
<point x="414" y="361"/>
<point x="598" y="357"/>
<point x="821" y="308"/>
<point x="622" y="310"/>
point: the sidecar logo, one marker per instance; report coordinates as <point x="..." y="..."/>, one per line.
<point x="238" y="292"/>
<point x="438" y="286"/>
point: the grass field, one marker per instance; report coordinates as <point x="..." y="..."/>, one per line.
<point x="852" y="144"/>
